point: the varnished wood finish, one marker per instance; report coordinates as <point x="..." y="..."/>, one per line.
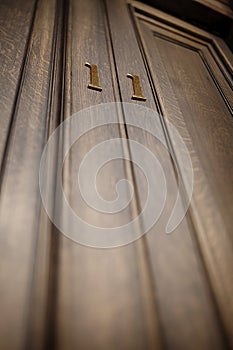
<point x="161" y="291"/>
<point x="201" y="69"/>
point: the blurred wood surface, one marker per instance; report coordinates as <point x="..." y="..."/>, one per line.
<point x="161" y="291"/>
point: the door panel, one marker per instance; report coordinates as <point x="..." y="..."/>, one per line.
<point x="173" y="276"/>
<point x="160" y="291"/>
<point x="195" y="94"/>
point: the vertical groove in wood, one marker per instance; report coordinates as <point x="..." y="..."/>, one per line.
<point x="143" y="263"/>
<point x="5" y="138"/>
<point x="158" y="292"/>
<point x="172" y="151"/>
<point x="20" y="198"/>
<point x="41" y="321"/>
<point x="172" y="280"/>
<point x="211" y="224"/>
<point x="80" y="256"/>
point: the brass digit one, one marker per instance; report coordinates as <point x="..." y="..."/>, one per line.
<point x="94" y="84"/>
<point x="137" y="88"/>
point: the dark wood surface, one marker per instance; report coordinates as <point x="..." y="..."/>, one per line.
<point x="161" y="291"/>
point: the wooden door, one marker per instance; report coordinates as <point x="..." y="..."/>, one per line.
<point x="159" y="291"/>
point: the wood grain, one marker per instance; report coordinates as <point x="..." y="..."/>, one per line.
<point x="169" y="78"/>
<point x="105" y="293"/>
<point x="15" y="35"/>
<point x="20" y="199"/>
<point x="180" y="243"/>
<point x="161" y="291"/>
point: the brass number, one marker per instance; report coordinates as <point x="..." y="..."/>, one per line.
<point x="94" y="77"/>
<point x="137" y="88"/>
